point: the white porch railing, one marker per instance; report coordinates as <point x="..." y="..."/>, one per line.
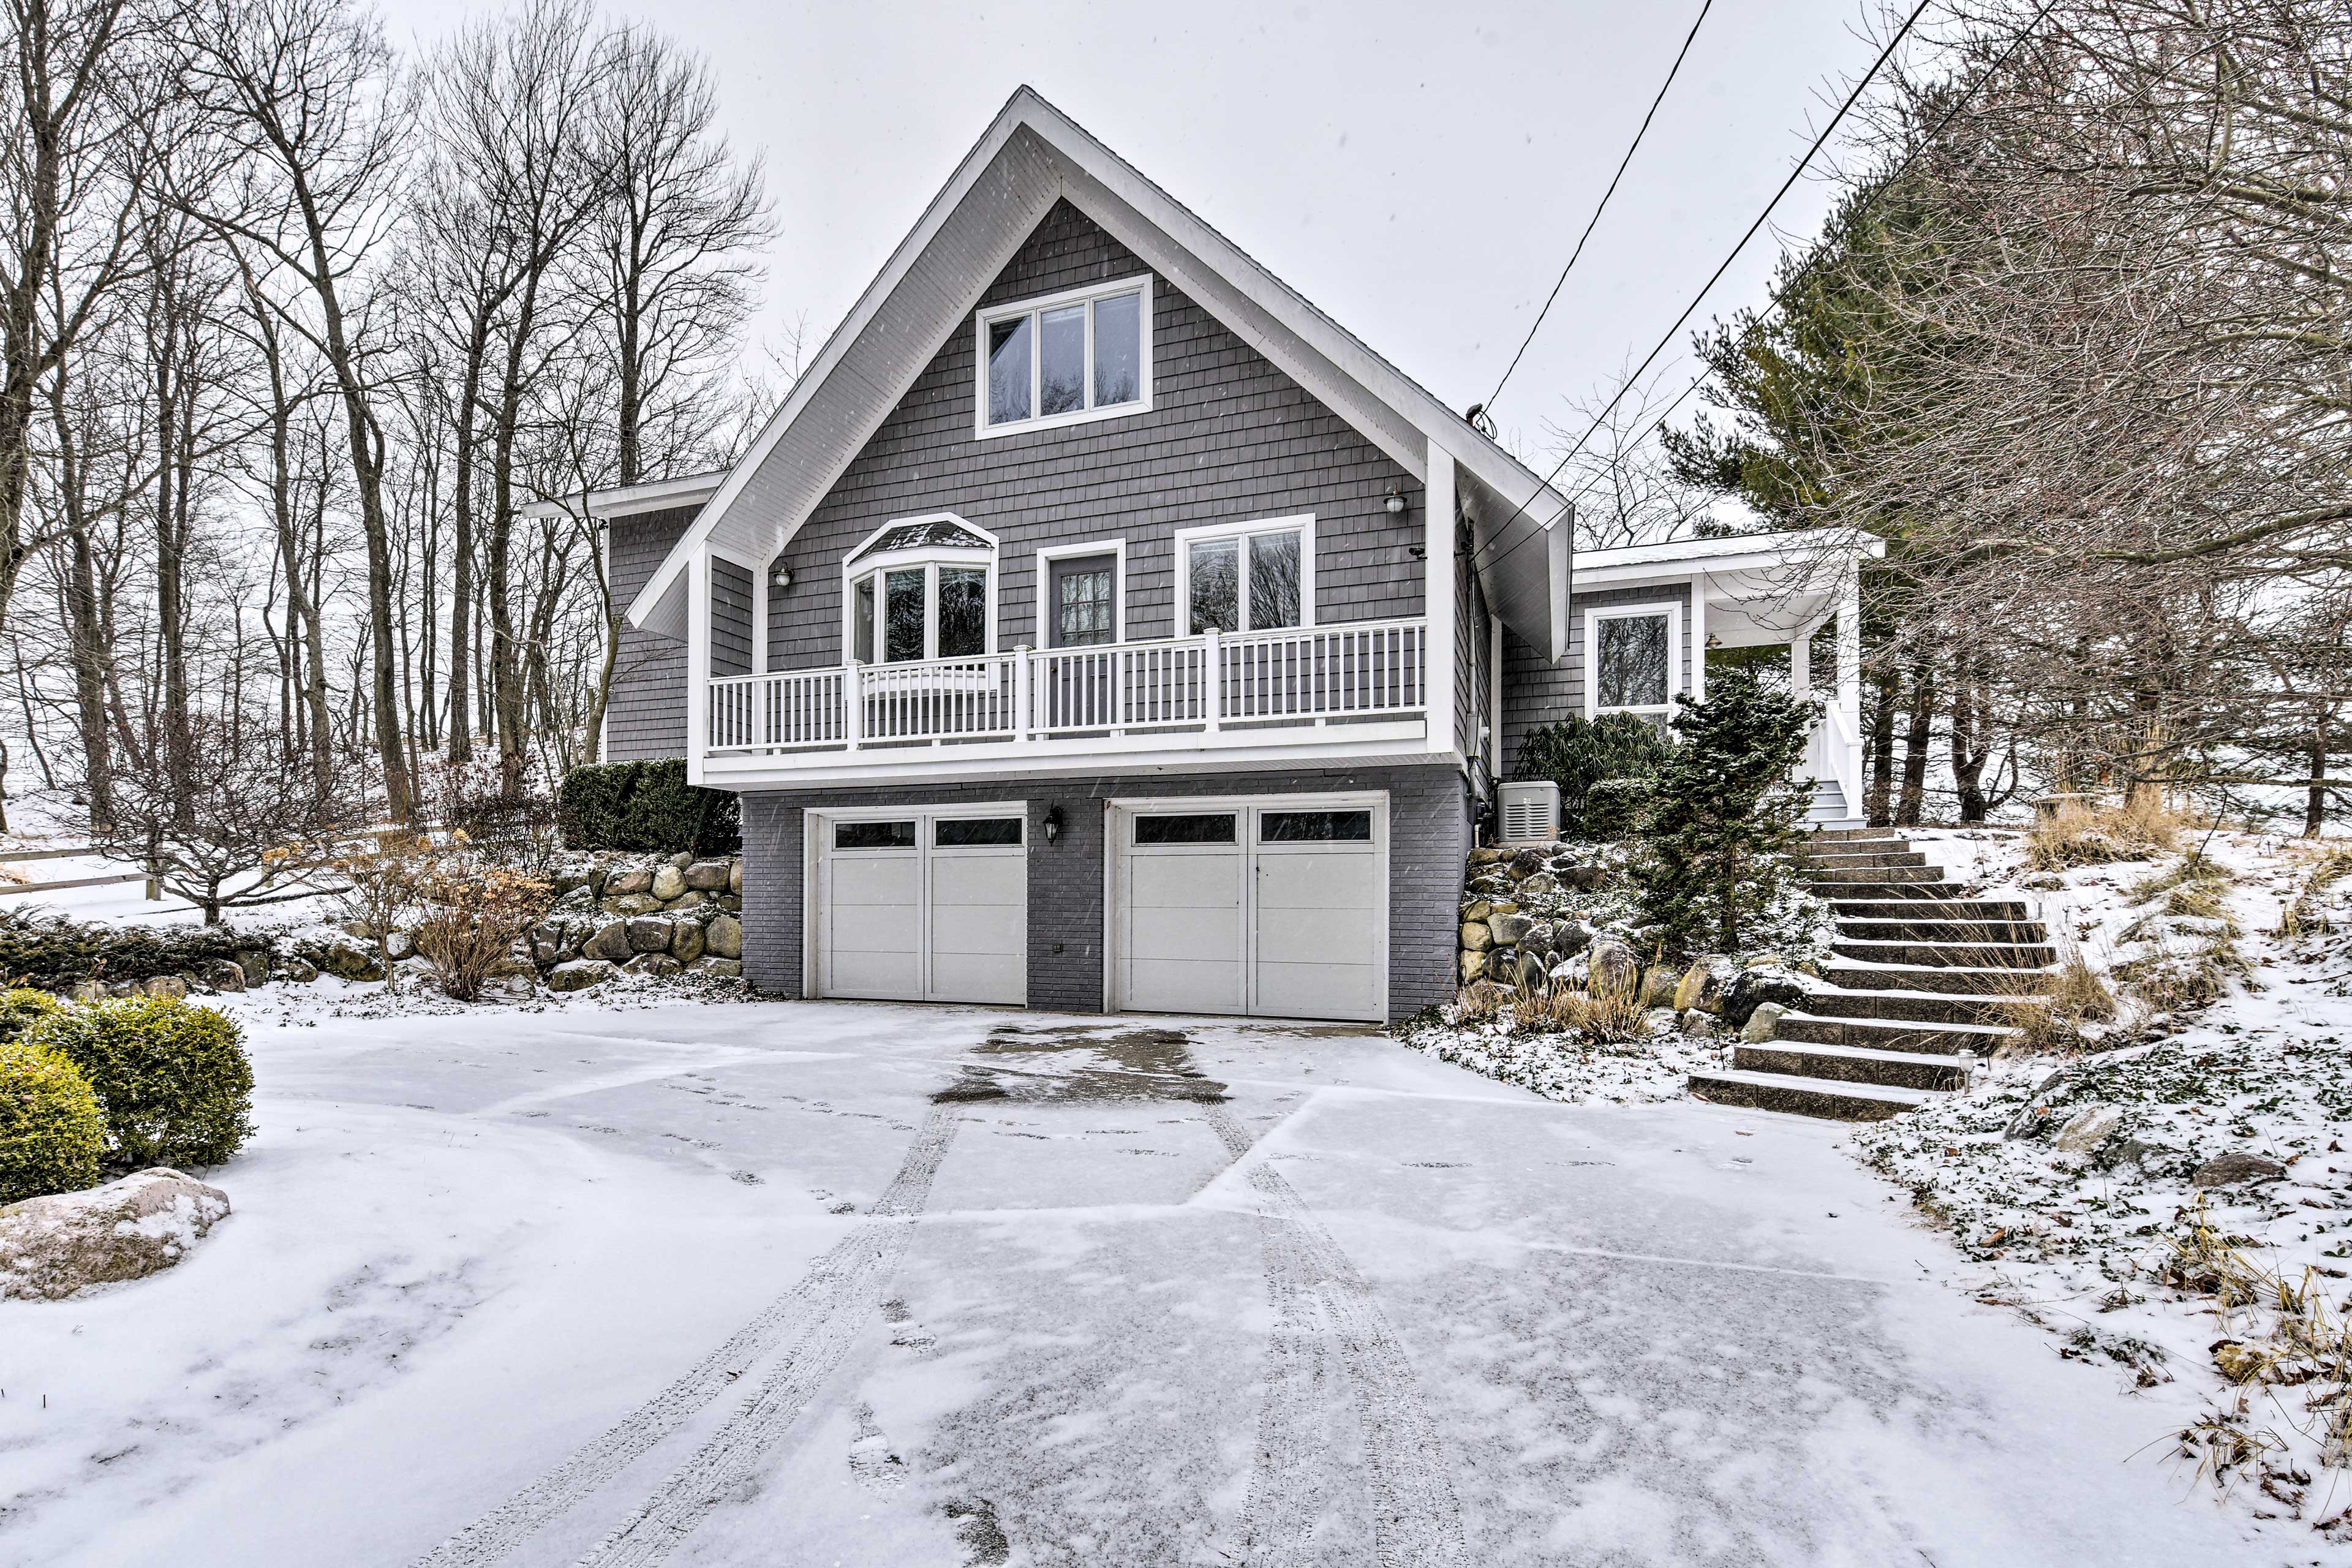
<point x="1834" y="752"/>
<point x="1255" y="681"/>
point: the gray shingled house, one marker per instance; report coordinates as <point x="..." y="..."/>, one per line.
<point x="1099" y="627"/>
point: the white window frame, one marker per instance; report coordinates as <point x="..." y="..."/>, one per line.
<point x="1303" y="524"/>
<point x="1114" y="548"/>
<point x="856" y="565"/>
<point x="1671" y="610"/>
<point x="983" y="320"/>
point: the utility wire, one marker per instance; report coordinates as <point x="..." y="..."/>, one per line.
<point x="1815" y="257"/>
<point x="1594" y="221"/>
<point x="1753" y="229"/>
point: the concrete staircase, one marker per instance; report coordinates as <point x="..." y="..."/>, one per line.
<point x="1919" y="978"/>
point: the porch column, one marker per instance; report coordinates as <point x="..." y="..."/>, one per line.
<point x="1800" y="663"/>
<point x="698" y="662"/>
<point x="1849" y="681"/>
<point x="1438" y="651"/>
<point x="1698" y="638"/>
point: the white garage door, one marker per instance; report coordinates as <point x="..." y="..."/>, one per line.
<point x="1277" y="908"/>
<point x="923" y="907"/>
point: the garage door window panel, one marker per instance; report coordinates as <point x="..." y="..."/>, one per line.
<point x="874" y="835"/>
<point x="976" y="832"/>
<point x="1203" y="827"/>
<point x="1316" y="827"/>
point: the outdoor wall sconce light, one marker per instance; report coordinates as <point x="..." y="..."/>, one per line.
<point x="782" y="576"/>
<point x="1395" y="504"/>
<point x="1052" y="822"/>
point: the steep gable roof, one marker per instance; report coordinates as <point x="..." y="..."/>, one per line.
<point x="1030" y="157"/>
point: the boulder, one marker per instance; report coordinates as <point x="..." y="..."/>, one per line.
<point x="1526" y="863"/>
<point x="255" y="963"/>
<point x="1476" y="937"/>
<point x="599" y="878"/>
<point x="301" y="970"/>
<point x="720" y="968"/>
<point x="173" y="985"/>
<point x="1538" y="938"/>
<point x="1492" y="885"/>
<point x="636" y="904"/>
<point x="1508" y="930"/>
<point x="580" y="973"/>
<point x="2231" y="1170"/>
<point x="1569" y="938"/>
<point x="1474" y="966"/>
<point x="1477" y="909"/>
<point x="1613" y="967"/>
<point x="681" y="860"/>
<point x="1702" y="987"/>
<point x="1758" y="1027"/>
<point x="52" y="1246"/>
<point x="735" y="876"/>
<point x="1501" y="907"/>
<point x="1485" y="857"/>
<point x="1752" y="987"/>
<point x="346" y="961"/>
<point x="88" y="991"/>
<point x="732" y="902"/>
<point x="546" y="943"/>
<point x="1532" y="972"/>
<point x="1486" y="994"/>
<point x="2088" y="1127"/>
<point x="1584" y="878"/>
<point x="221" y="975"/>
<point x="400" y="944"/>
<point x="1542" y="885"/>
<point x="1658" y="986"/>
<point x="1697" y="1025"/>
<point x="653" y="963"/>
<point x="706" y="876"/>
<point x="668" y="883"/>
<point x="358" y="930"/>
<point x="723" y="938"/>
<point x="647" y="935"/>
<point x="640" y="880"/>
<point x="685" y="941"/>
<point x="610" y="945"/>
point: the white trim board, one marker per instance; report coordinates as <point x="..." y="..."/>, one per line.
<point x="1672" y="609"/>
<point x="1048" y="554"/>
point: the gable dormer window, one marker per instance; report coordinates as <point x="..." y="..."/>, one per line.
<point x="921" y="588"/>
<point x="1065" y="359"/>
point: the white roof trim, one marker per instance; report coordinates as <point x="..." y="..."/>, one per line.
<point x="1088" y="171"/>
<point x="624" y="500"/>
<point x="1737" y="553"/>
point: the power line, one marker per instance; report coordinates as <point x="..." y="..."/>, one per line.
<point x="1594" y="221"/>
<point x="1813" y="259"/>
<point x="1716" y="277"/>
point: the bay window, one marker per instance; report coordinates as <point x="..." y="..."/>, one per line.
<point x="921" y="589"/>
<point x="1083" y="355"/>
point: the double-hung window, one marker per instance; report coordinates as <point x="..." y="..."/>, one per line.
<point x="1069" y="357"/>
<point x="1633" y="659"/>
<point x="1250" y="577"/>
<point x="921" y="588"/>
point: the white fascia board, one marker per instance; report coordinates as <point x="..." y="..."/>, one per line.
<point x="1681" y="557"/>
<point x="627" y="500"/>
<point x="1400" y="742"/>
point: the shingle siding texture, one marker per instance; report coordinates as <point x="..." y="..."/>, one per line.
<point x="646" y="719"/>
<point x="1229" y="438"/>
<point x="1429" y="840"/>
<point x="1536" y="692"/>
<point x="730" y="618"/>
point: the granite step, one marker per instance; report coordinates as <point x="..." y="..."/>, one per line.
<point x="1874" y="876"/>
<point x="1851" y="1064"/>
<point x="1892" y="1035"/>
<point x="1853" y="834"/>
<point x="2016" y="955"/>
<point x="1922" y="906"/>
<point x="1807" y="1096"/>
<point x="1815" y="861"/>
<point x="1988" y="933"/>
<point x="1910" y="1006"/>
<point x="2016" y="982"/>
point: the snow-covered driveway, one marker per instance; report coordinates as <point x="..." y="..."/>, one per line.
<point x="843" y="1284"/>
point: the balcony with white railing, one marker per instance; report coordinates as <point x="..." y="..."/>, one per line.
<point x="1358" y="681"/>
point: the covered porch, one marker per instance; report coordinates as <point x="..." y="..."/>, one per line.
<point x="1644" y="617"/>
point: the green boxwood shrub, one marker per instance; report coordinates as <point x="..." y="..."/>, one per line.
<point x="172" y="1077"/>
<point x="52" y="1129"/>
<point x="646" y="808"/>
<point x="20" y="1009"/>
<point x="53" y="952"/>
<point x="1578" y="752"/>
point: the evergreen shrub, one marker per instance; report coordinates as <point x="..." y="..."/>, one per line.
<point x="51" y="1127"/>
<point x="1614" y="808"/>
<point x="52" y="952"/>
<point x="646" y="808"/>
<point x="1578" y="752"/>
<point x="20" y="1009"/>
<point x="172" y="1076"/>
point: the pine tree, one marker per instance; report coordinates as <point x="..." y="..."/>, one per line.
<point x="1720" y="835"/>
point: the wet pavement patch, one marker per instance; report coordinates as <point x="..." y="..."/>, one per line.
<point x="1080" y="1063"/>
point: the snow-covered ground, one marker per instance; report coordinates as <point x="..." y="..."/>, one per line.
<point x="833" y="1283"/>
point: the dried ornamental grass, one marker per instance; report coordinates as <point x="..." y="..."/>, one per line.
<point x="2137" y="829"/>
<point x="474" y="914"/>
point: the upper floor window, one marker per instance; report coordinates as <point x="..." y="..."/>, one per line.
<point x="1079" y="355"/>
<point x="921" y="588"/>
<point x="1246" y="577"/>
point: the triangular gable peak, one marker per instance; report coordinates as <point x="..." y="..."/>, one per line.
<point x="1030" y="158"/>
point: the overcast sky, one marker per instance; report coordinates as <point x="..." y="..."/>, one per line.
<point x="1421" y="171"/>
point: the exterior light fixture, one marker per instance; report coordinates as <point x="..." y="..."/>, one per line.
<point x="780" y="575"/>
<point x="1052" y="822"/>
<point x="1395" y="505"/>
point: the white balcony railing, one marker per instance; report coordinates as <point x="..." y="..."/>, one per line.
<point x="1253" y="681"/>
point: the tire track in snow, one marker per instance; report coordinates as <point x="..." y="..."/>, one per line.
<point x="1320" y="1300"/>
<point x="832" y="1289"/>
